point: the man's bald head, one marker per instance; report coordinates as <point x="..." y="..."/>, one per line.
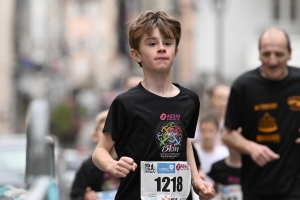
<point x="275" y="31"/>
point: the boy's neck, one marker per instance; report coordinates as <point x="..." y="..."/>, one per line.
<point x="233" y="161"/>
<point x="163" y="88"/>
<point x="207" y="149"/>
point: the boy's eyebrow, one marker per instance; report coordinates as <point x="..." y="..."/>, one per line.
<point x="154" y="38"/>
<point x="150" y="38"/>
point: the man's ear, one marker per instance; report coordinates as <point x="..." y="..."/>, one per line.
<point x="135" y="55"/>
<point x="290" y="54"/>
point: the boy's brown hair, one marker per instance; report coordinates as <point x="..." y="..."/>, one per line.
<point x="147" y="20"/>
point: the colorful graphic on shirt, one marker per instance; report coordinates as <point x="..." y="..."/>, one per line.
<point x="294" y="103"/>
<point x="169" y="137"/>
<point x="110" y="182"/>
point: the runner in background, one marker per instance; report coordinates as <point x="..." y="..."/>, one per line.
<point x="226" y="174"/>
<point x="265" y="104"/>
<point x="89" y="179"/>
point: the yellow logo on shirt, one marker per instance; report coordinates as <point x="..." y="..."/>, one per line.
<point x="294" y="103"/>
<point x="267" y="124"/>
<point x="265" y="106"/>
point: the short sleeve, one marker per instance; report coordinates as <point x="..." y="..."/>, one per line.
<point x="233" y="112"/>
<point x="115" y="121"/>
<point x="194" y="119"/>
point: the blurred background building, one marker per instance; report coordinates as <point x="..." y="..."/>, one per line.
<point x="75" y="53"/>
<point x="7" y="66"/>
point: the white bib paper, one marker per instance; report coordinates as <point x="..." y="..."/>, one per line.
<point x="165" y="180"/>
<point x="230" y="192"/>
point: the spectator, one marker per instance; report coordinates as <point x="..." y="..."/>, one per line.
<point x="208" y="149"/>
<point x="217" y="98"/>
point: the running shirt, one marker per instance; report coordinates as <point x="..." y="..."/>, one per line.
<point x="148" y="127"/>
<point x="268" y="113"/>
<point x="222" y="173"/>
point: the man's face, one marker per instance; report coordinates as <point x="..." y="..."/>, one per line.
<point x="274" y="55"/>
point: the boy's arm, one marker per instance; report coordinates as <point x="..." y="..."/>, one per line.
<point x="104" y="161"/>
<point x="201" y="188"/>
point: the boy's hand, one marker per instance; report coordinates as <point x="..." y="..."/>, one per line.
<point x="203" y="189"/>
<point x="124" y="166"/>
<point x="90" y="194"/>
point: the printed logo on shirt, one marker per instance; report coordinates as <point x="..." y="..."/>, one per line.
<point x="267" y="124"/>
<point x="169" y="137"/>
<point x="234" y="179"/>
<point x="294" y="103"/>
<point x="265" y="106"/>
<point x="169" y="117"/>
<point x="110" y="182"/>
<point x="275" y="138"/>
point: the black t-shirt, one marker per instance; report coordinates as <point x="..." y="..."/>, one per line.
<point x="148" y="127"/>
<point x="224" y="174"/>
<point x="269" y="114"/>
<point x="89" y="175"/>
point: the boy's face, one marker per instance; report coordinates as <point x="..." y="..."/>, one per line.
<point x="155" y="52"/>
<point x="209" y="133"/>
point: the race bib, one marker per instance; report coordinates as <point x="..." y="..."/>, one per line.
<point x="165" y="180"/>
<point x="230" y="192"/>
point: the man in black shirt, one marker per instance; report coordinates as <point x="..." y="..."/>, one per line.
<point x="265" y="104"/>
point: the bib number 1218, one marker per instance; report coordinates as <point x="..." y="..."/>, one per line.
<point x="165" y="180"/>
<point x="163" y="183"/>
